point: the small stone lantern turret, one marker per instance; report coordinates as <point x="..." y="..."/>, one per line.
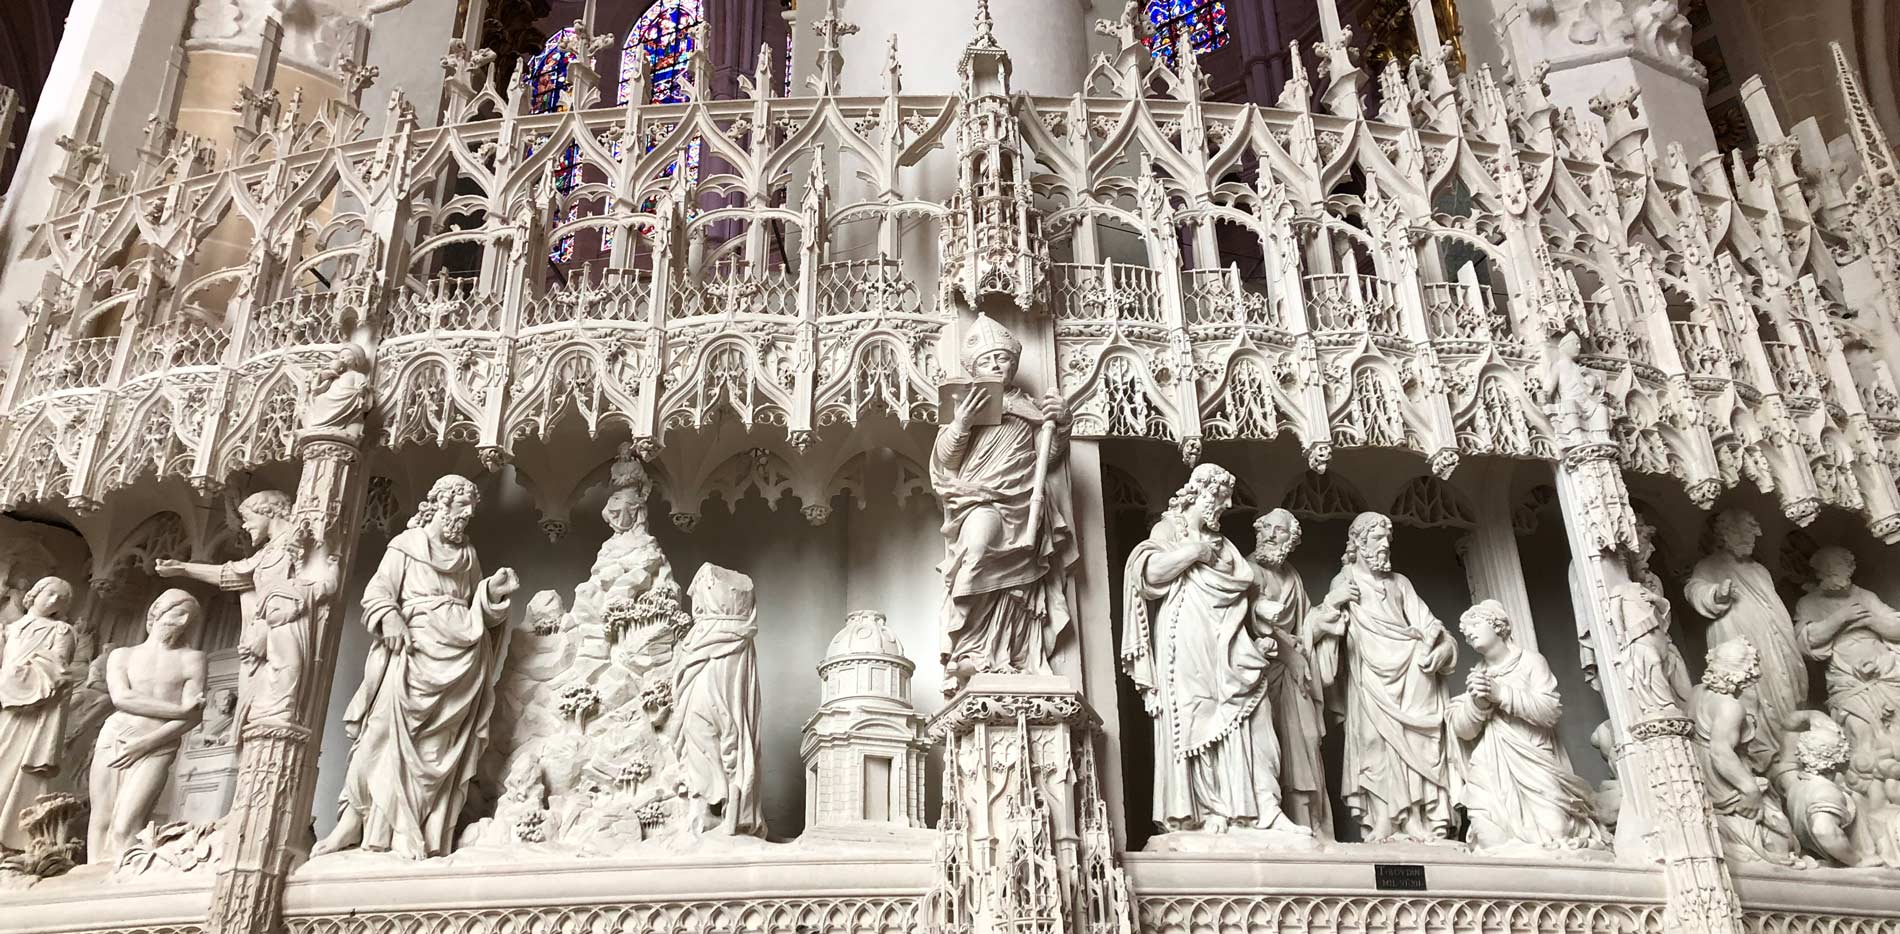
<point x="864" y="748"/>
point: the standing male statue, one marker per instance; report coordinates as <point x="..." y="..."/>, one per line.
<point x="1009" y="546"/>
<point x="1201" y="663"/>
<point x="272" y="656"/>
<point x="1738" y="596"/>
<point x="1296" y="683"/>
<point x="420" y="719"/>
<point x="1396" y="780"/>
<point x="158" y="696"/>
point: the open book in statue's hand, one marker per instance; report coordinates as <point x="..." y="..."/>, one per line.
<point x="951" y="393"/>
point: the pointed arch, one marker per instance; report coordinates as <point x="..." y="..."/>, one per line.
<point x="663" y="38"/>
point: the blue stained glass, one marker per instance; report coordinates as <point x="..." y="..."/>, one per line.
<point x="547" y="81"/>
<point x="1200" y="22"/>
<point x="664" y="34"/>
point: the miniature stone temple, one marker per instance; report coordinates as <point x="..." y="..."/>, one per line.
<point x="864" y="749"/>
<point x="982" y="466"/>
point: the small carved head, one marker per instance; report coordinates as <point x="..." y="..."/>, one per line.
<point x="1737" y="532"/>
<point x="350" y="358"/>
<point x="1485" y="625"/>
<point x="1276" y="534"/>
<point x="1734" y="667"/>
<point x="1645" y="545"/>
<point x="49" y="598"/>
<point x="1369" y="539"/>
<point x="1833" y="569"/>
<point x="990" y="351"/>
<point x="262" y="511"/>
<point x="1208" y="493"/>
<point x="172" y="617"/>
<point x="1569" y="345"/>
<point x="448" y="507"/>
<point x="1823" y="748"/>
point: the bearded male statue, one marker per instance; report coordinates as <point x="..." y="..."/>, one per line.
<point x="1201" y="664"/>
<point x="1296" y="682"/>
<point x="1737" y="595"/>
<point x="420" y="720"/>
<point x="1397" y="778"/>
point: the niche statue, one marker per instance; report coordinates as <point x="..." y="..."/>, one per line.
<point x="158" y="696"/>
<point x="36" y="651"/>
<point x="1008" y="544"/>
<point x="420" y="719"/>
<point x="1201" y="664"/>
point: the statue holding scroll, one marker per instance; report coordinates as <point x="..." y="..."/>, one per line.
<point x="1009" y="546"/>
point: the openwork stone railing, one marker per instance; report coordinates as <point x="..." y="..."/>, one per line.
<point x="820" y="299"/>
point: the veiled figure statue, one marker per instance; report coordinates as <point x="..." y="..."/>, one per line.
<point x="1396" y="781"/>
<point x="1736" y="754"/>
<point x="1295" y="681"/>
<point x="36" y="655"/>
<point x="1518" y="786"/>
<point x="420" y="719"/>
<point x="1201" y="664"/>
<point x="1858" y="635"/>
<point x="1738" y="596"/>
<point x="158" y="696"/>
<point x="716" y="706"/>
<point x="1008" y="544"/>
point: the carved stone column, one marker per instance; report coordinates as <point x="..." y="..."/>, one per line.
<point x="276" y="759"/>
<point x="1024" y="840"/>
<point x="1655" y="761"/>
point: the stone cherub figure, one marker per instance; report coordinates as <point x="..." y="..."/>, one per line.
<point x="1009" y="546"/>
<point x="158" y="696"/>
<point x="36" y="656"/>
<point x="1518" y="786"/>
<point x="1737" y="595"/>
<point x="1201" y="665"/>
<point x="420" y="720"/>
<point x="1397" y="780"/>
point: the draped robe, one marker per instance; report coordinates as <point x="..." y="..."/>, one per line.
<point x="420" y="719"/>
<point x="1755" y="612"/>
<point x="1518" y="785"/>
<point x="1863" y="669"/>
<point x="1296" y="691"/>
<point x="1003" y="603"/>
<point x="34" y="653"/>
<point x="716" y="700"/>
<point x="270" y="683"/>
<point x="1215" y="750"/>
<point x="1395" y="751"/>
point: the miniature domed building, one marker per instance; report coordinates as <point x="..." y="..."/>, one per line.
<point x="864" y="748"/>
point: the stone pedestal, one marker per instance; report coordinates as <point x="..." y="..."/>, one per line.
<point x="1024" y="842"/>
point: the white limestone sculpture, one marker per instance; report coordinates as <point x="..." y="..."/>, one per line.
<point x="1735" y="756"/>
<point x="1396" y="778"/>
<point x="1638" y="620"/>
<point x="420" y="719"/>
<point x="158" y="696"/>
<point x="1858" y="635"/>
<point x="1295" y="683"/>
<point x="36" y="653"/>
<point x="1008" y="545"/>
<point x="864" y="748"/>
<point x="1518" y="788"/>
<point x="1574" y="393"/>
<point x="341" y="395"/>
<point x="1200" y="661"/>
<point x="1737" y="594"/>
<point x="716" y="706"/>
<point x="1822" y="812"/>
<point x="1609" y="794"/>
<point x="272" y="655"/>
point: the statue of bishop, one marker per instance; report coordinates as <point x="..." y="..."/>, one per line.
<point x="1008" y="544"/>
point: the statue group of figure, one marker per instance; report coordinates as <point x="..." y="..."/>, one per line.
<point x="1792" y="785"/>
<point x="1236" y="666"/>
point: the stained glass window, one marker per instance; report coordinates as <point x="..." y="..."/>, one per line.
<point x="664" y="34"/>
<point x="1201" y="22"/>
<point x="548" y="82"/>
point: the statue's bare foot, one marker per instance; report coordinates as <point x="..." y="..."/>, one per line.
<point x="1215" y="825"/>
<point x="1280" y="823"/>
